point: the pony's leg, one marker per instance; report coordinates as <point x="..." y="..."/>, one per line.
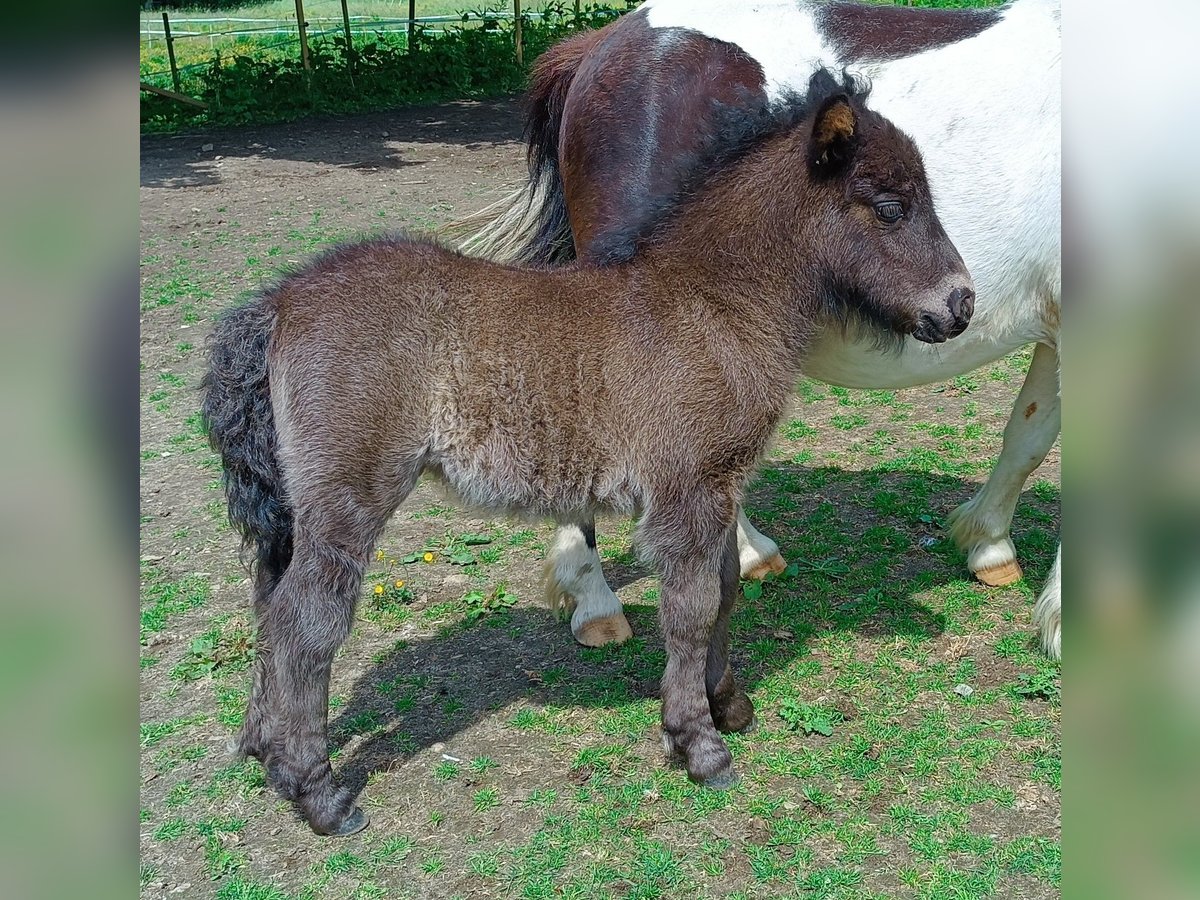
<point x="574" y="578"/>
<point x="980" y="526"/>
<point x="758" y="555"/>
<point x="309" y="615"/>
<point x="727" y="700"/>
<point x="1047" y="612"/>
<point x="688" y="611"/>
<point x="254" y="737"/>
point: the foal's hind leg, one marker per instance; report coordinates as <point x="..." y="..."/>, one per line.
<point x="309" y="615"/>
<point x="305" y="620"/>
<point x="730" y="706"/>
<point x="980" y="526"/>
<point x="254" y="736"/>
<point x="574" y="578"/>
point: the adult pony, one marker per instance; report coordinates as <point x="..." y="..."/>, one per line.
<point x="329" y="395"/>
<point x="613" y="125"/>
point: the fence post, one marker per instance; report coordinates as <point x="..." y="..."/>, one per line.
<point x="517" y="32"/>
<point x="300" y="23"/>
<point x="171" y="52"/>
<point x="412" y="23"/>
<point x="217" y="83"/>
<point x="349" y="44"/>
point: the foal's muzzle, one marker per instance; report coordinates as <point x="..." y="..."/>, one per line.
<point x="934" y="328"/>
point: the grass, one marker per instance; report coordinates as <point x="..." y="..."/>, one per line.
<point x="868" y="775"/>
<point x="198" y="48"/>
<point x="259" y="77"/>
<point x="163" y="599"/>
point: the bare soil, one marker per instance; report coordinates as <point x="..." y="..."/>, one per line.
<point x="417" y="690"/>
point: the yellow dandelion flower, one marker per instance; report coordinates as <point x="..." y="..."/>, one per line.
<point x="428" y="556"/>
<point x="378" y="589"/>
<point x="379" y="554"/>
<point x="399" y="584"/>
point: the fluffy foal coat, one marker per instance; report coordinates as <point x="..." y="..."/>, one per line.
<point x="330" y="394"/>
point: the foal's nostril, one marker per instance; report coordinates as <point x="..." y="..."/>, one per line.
<point x="962" y="306"/>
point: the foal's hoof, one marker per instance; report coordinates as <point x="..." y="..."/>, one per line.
<point x="600" y="632"/>
<point x="735" y="717"/>
<point x="353" y="823"/>
<point x="1001" y="575"/>
<point x="773" y="566"/>
<point x="750" y="727"/>
<point x="723" y="780"/>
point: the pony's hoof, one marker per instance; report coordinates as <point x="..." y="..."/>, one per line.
<point x="773" y="566"/>
<point x="607" y="630"/>
<point x="353" y="823"/>
<point x="723" y="780"/>
<point x="1001" y="575"/>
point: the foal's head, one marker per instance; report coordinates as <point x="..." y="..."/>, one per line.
<point x="883" y="253"/>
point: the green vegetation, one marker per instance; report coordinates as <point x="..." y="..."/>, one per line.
<point x="255" y="81"/>
<point x="258" y="77"/>
<point x="502" y="760"/>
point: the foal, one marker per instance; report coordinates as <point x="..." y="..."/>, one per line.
<point x="331" y="394"/>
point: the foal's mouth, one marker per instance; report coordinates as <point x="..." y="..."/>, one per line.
<point x="944" y="324"/>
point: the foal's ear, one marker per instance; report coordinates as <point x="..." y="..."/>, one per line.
<point x="834" y="135"/>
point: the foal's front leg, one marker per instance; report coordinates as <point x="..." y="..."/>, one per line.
<point x="731" y="707"/>
<point x="688" y="611"/>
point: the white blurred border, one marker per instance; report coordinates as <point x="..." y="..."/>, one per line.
<point x="1131" y="449"/>
<point x="68" y="466"/>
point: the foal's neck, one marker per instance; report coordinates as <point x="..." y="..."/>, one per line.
<point x="745" y="244"/>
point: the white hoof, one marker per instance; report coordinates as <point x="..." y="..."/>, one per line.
<point x="776" y="565"/>
<point x="993" y="560"/>
<point x="758" y="555"/>
<point x="575" y="584"/>
<point x="601" y="632"/>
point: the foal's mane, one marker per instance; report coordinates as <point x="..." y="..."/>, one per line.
<point x="733" y="131"/>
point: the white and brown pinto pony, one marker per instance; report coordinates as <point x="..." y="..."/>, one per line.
<point x="614" y="120"/>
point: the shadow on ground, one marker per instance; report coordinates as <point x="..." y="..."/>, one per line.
<point x="367" y="142"/>
<point x="850" y="582"/>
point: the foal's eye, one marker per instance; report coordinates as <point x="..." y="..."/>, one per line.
<point x="889" y="211"/>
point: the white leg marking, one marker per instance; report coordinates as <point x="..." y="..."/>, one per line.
<point x="980" y="526"/>
<point x="574" y="578"/>
<point x="757" y="553"/>
<point x="1047" y="612"/>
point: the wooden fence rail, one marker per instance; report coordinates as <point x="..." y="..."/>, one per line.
<point x="302" y="28"/>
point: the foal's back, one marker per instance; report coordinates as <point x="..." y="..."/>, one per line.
<point x="541" y="390"/>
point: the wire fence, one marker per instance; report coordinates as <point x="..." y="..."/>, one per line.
<point x="153" y="30"/>
<point x="246" y="65"/>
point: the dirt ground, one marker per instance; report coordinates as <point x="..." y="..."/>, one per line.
<point x="496" y="757"/>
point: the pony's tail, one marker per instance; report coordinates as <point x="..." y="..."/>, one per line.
<point x="530" y="225"/>
<point x="240" y="420"/>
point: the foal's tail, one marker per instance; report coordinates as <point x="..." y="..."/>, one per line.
<point x="241" y="427"/>
<point x="530" y="225"/>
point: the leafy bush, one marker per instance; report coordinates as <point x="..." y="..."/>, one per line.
<point x="808" y="717"/>
<point x="149" y="5"/>
<point x="465" y="61"/>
